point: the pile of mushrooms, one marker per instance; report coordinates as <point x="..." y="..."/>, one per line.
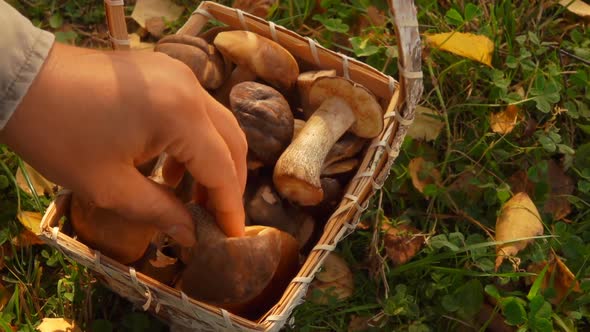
<point x="306" y="130"/>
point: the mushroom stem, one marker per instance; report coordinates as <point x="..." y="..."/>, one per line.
<point x="297" y="172"/>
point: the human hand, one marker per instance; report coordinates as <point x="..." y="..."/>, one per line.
<point x="91" y="116"/>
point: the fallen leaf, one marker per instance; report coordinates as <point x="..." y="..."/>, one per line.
<point x="359" y="323"/>
<point x="560" y="186"/>
<point x="519" y="181"/>
<point x="493" y="321"/>
<point x="577" y="7"/>
<point x="260" y="8"/>
<point x="505" y="121"/>
<point x="39" y="182"/>
<point x="476" y="47"/>
<point x="155" y="26"/>
<point x="427" y="124"/>
<point x="519" y="218"/>
<point x="137" y="44"/>
<point x="423" y="173"/>
<point x="562" y="277"/>
<point x="5" y="296"/>
<point x="402" y="242"/>
<point x="26" y="238"/>
<point x="31" y="220"/>
<point x="334" y="280"/>
<point x="376" y="16"/>
<point x="5" y="251"/>
<point x="462" y="184"/>
<point x="57" y="325"/>
<point x="146" y="9"/>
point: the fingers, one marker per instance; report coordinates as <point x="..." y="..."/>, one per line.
<point x="172" y="171"/>
<point x="229" y="129"/>
<point x="210" y="162"/>
<point x="137" y="198"/>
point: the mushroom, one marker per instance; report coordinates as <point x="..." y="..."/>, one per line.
<point x="304" y="82"/>
<point x="159" y="264"/>
<point x="240" y="274"/>
<point x="201" y="57"/>
<point x="265" y="117"/>
<point x="297" y="126"/>
<point x="343" y="105"/>
<point x="119" y="238"/>
<point x="340" y="167"/>
<point x="255" y="56"/>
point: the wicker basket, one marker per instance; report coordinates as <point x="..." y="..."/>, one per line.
<point x="399" y="98"/>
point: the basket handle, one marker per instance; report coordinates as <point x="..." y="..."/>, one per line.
<point x="115" y="13"/>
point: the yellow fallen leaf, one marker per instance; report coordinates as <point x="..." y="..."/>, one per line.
<point x="31" y="220"/>
<point x="146" y="9"/>
<point x="519" y="218"/>
<point x="422" y="173"/>
<point x="334" y="280"/>
<point x="57" y="325"/>
<point x="505" y="121"/>
<point x="476" y="47"/>
<point x="39" y="182"/>
<point x="577" y="7"/>
<point x="427" y="124"/>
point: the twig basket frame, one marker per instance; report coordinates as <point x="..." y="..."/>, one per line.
<point x="399" y="98"/>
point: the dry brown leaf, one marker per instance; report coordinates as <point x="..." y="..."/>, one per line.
<point x="505" y="121"/>
<point x="577" y="7"/>
<point x="138" y="45"/>
<point x="376" y="16"/>
<point x="422" y="174"/>
<point x="562" y="277"/>
<point x="359" y="323"/>
<point x="462" y="184"/>
<point x="476" y="47"/>
<point x="492" y="320"/>
<point x="26" y="238"/>
<point x="561" y="185"/>
<point x="31" y="220"/>
<point x="334" y="280"/>
<point x="427" y="124"/>
<point x="519" y="218"/>
<point x="402" y="242"/>
<point x="259" y="8"/>
<point x="146" y="9"/>
<point x="5" y="251"/>
<point x="39" y="182"/>
<point x="57" y="325"/>
<point x="519" y="181"/>
<point x="5" y="296"/>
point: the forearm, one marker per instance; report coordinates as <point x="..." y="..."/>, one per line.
<point x="23" y="50"/>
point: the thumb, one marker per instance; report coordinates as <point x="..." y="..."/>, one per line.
<point x="137" y="198"/>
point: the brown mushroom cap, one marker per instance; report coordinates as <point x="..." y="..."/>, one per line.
<point x="114" y="236"/>
<point x="232" y="272"/>
<point x="304" y="83"/>
<point x="368" y="113"/>
<point x="262" y="56"/>
<point x="201" y="57"/>
<point x="265" y="117"/>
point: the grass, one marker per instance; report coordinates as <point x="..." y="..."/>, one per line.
<point x="540" y="63"/>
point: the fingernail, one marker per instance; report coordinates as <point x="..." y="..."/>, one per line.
<point x="183" y="235"/>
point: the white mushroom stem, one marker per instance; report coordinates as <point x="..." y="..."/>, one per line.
<point x="297" y="172"/>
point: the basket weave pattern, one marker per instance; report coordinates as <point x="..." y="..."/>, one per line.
<point x="399" y="98"/>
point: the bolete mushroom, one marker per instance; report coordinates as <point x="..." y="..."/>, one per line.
<point x="343" y="105"/>
<point x="304" y="82"/>
<point x="265" y="117"/>
<point x="255" y="56"/>
<point x="113" y="235"/>
<point x="240" y="274"/>
<point x="201" y="57"/>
